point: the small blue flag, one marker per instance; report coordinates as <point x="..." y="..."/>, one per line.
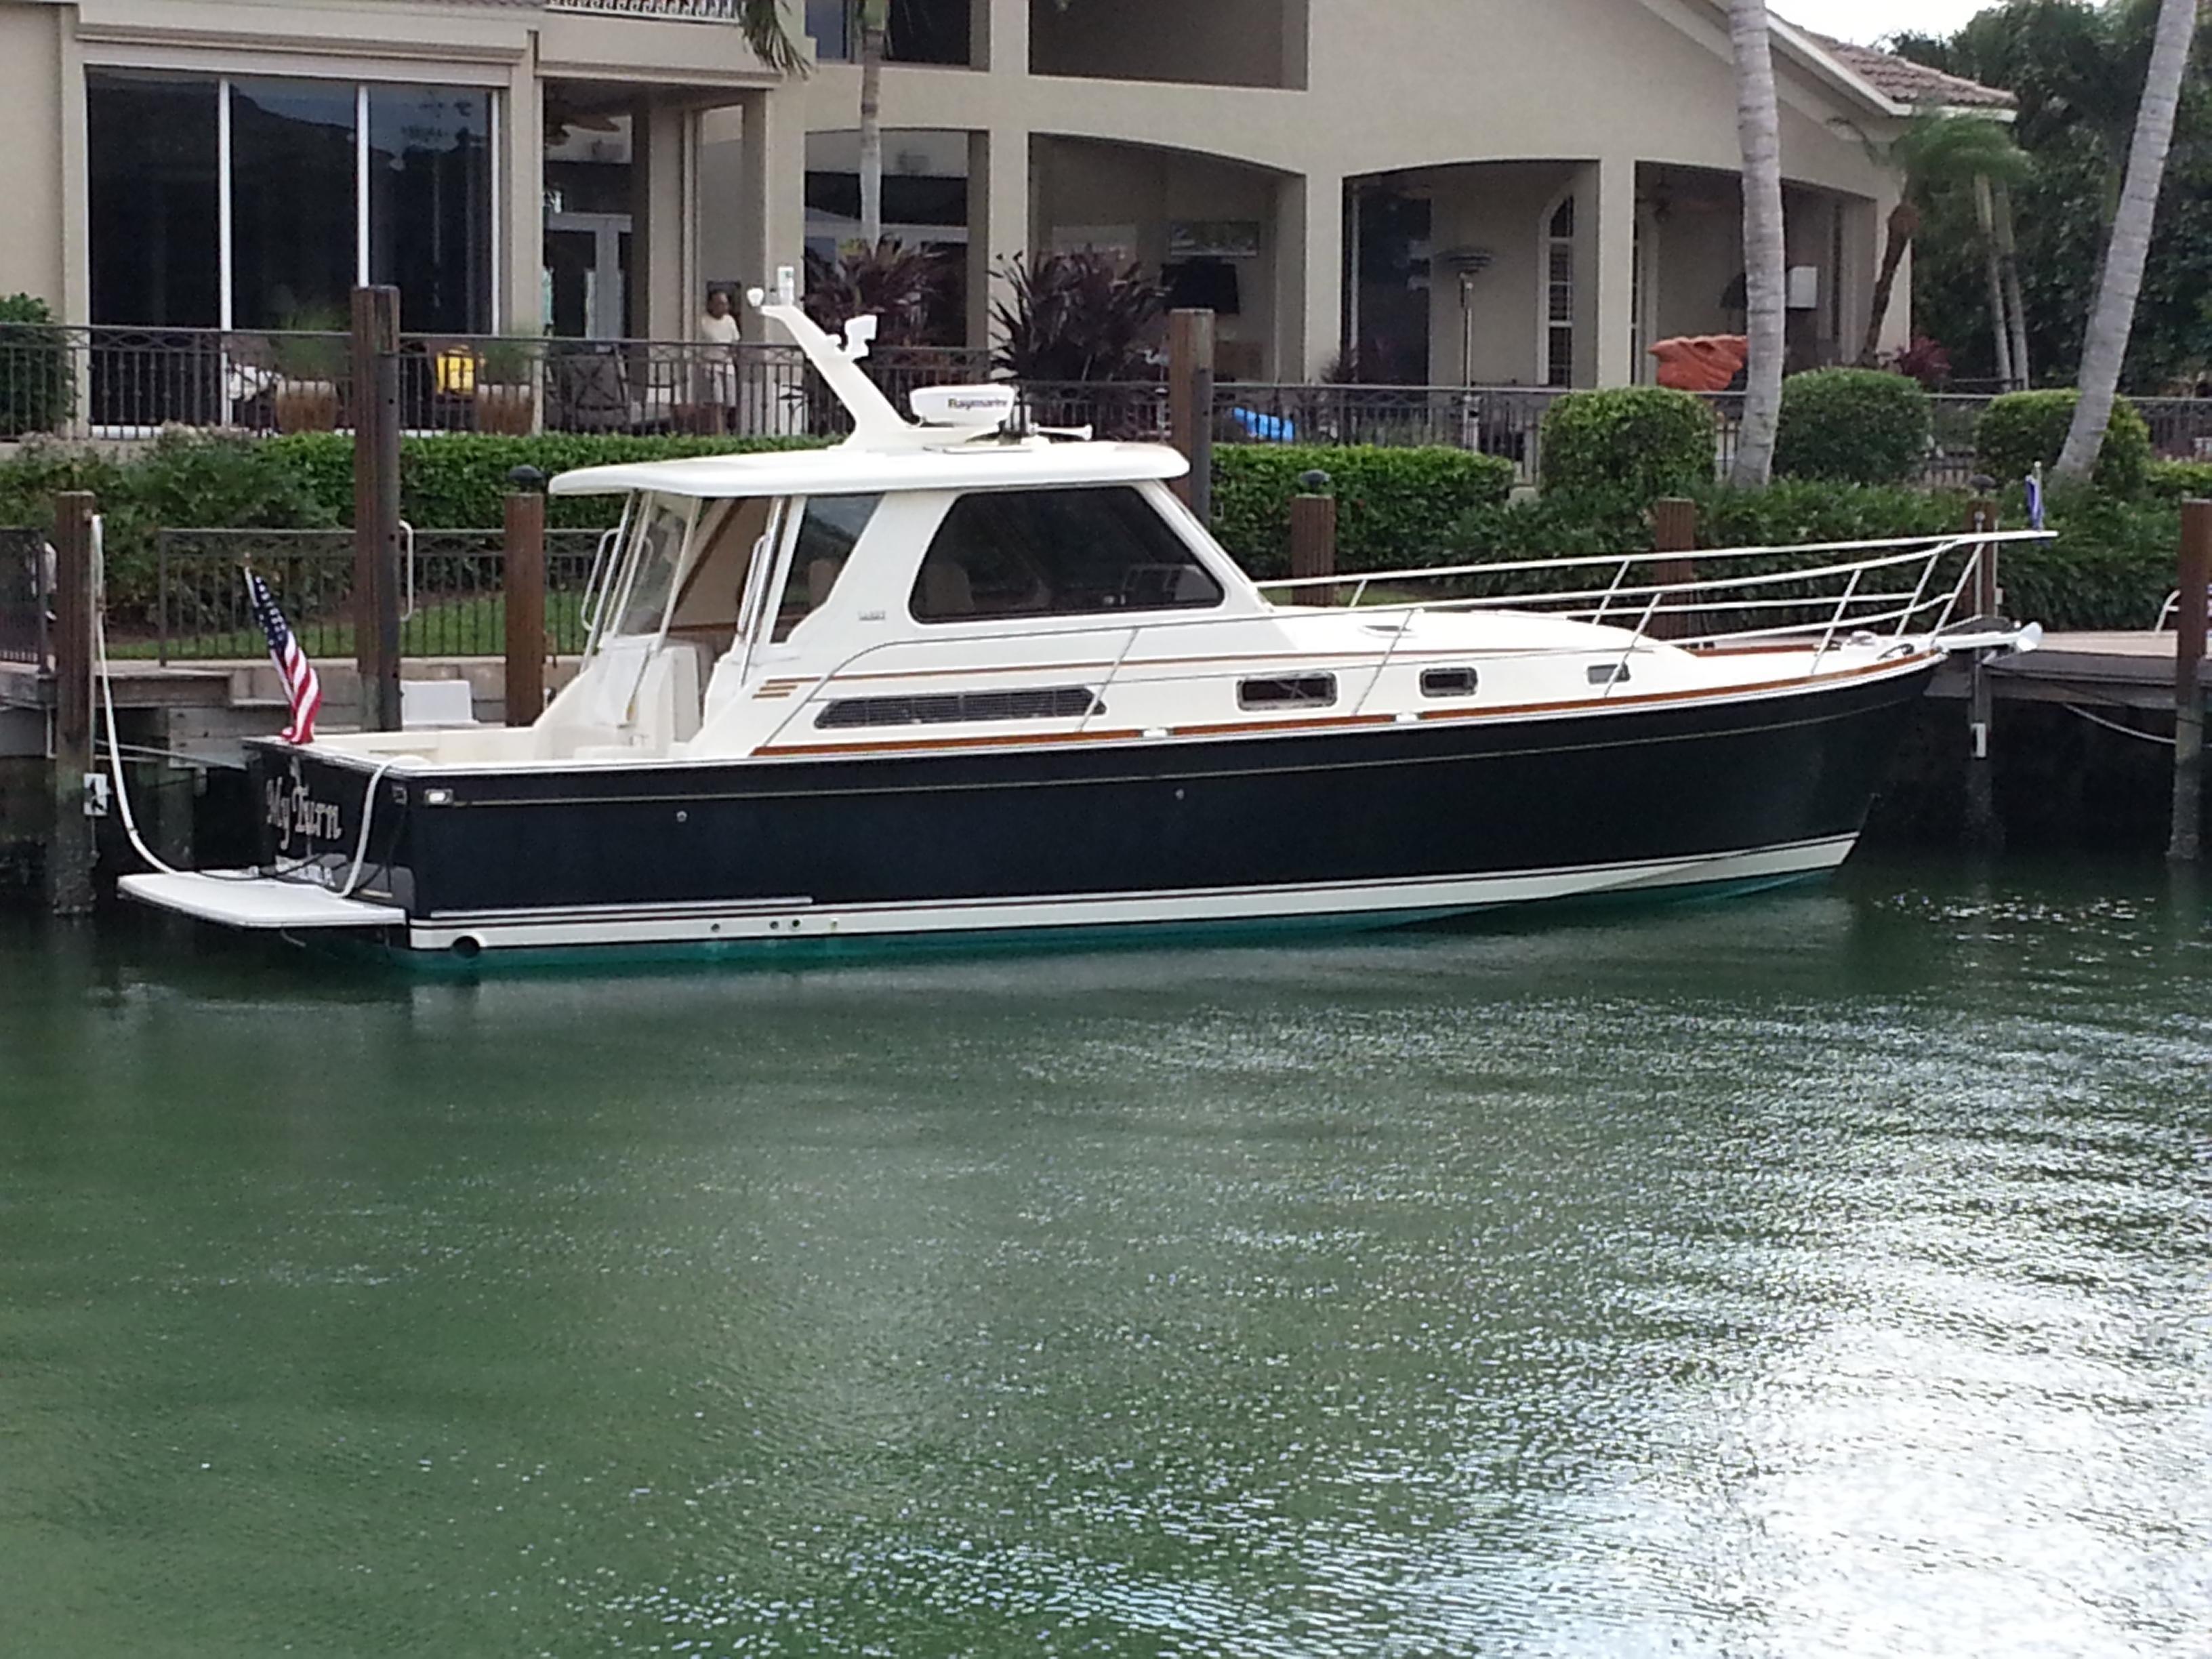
<point x="2035" y="498"/>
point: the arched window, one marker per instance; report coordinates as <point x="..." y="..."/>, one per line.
<point x="1557" y="347"/>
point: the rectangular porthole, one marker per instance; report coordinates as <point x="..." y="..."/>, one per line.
<point x="1608" y="673"/>
<point x="1447" y="682"/>
<point x="1056" y="703"/>
<point x="1293" y="691"/>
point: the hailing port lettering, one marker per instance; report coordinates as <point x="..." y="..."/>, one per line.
<point x="291" y="813"/>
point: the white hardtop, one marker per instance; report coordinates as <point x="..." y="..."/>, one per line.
<point x="971" y="442"/>
<point x="847" y="470"/>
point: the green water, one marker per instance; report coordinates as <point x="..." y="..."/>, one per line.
<point x="1824" y="1272"/>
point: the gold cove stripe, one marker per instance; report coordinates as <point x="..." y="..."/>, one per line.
<point x="1340" y="722"/>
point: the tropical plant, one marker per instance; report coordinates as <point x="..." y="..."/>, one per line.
<point x="1926" y="361"/>
<point x="508" y="360"/>
<point x="37" y="378"/>
<point x="312" y="344"/>
<point x="1758" y="132"/>
<point x="1934" y="154"/>
<point x="2105" y="348"/>
<point x="1075" y="317"/>
<point x="762" y="24"/>
<point x="904" y="288"/>
<point x="2077" y="72"/>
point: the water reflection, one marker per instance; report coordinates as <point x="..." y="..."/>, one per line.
<point x="1820" y="1273"/>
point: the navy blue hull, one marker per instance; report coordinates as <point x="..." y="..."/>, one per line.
<point x="1372" y="805"/>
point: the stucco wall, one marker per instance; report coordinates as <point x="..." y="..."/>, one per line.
<point x="1094" y="185"/>
<point x="31" y="140"/>
<point x="1499" y="208"/>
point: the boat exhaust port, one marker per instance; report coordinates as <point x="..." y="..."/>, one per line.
<point x="467" y="947"/>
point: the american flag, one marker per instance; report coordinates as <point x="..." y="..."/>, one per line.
<point x="301" y="689"/>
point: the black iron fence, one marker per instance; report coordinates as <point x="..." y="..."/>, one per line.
<point x="26" y="584"/>
<point x="107" y="382"/>
<point x="453" y="599"/>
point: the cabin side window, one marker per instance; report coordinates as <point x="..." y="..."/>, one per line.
<point x="1077" y="552"/>
<point x="828" y="530"/>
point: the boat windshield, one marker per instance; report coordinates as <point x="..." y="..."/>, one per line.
<point x="656" y="556"/>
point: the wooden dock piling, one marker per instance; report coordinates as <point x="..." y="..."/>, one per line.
<point x="1190" y="405"/>
<point x="69" y="845"/>
<point x="1673" y="530"/>
<point x="1984" y="828"/>
<point x="2187" y="844"/>
<point x="1313" y="536"/>
<point x="525" y="596"/>
<point x="376" y="525"/>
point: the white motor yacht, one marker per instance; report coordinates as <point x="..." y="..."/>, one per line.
<point x="953" y="677"/>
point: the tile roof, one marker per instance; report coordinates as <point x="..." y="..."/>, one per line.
<point x="1909" y="82"/>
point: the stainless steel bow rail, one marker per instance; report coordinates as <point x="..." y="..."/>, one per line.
<point x="1808" y="596"/>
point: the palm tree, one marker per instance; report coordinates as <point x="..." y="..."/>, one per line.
<point x="1759" y="129"/>
<point x="763" y="25"/>
<point x="1933" y="154"/>
<point x="873" y="18"/>
<point x="2105" y="346"/>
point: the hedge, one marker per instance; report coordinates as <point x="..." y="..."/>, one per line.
<point x="2110" y="566"/>
<point x="1395" y="507"/>
<point x="1853" y="426"/>
<point x="36" y="375"/>
<point x="2180" y="481"/>
<point x="456" y="480"/>
<point x="1638" y="443"/>
<point x="2020" y="428"/>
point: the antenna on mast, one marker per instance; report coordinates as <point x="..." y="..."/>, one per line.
<point x="875" y="421"/>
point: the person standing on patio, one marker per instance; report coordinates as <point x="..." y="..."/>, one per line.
<point x="718" y="329"/>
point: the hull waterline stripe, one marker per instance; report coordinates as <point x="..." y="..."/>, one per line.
<point x="1439" y="896"/>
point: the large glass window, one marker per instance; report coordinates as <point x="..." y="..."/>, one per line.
<point x="153" y="165"/>
<point x="1058" y="553"/>
<point x="293" y="225"/>
<point x="430" y="205"/>
<point x="1559" y="296"/>
<point x="301" y="235"/>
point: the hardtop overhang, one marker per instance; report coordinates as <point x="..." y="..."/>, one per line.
<point x="850" y="471"/>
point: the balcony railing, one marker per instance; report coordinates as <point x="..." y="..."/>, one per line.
<point x="122" y="383"/>
<point x="105" y="382"/>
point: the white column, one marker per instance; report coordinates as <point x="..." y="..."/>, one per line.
<point x="521" y="162"/>
<point x="998" y="217"/>
<point x="1613" y="268"/>
<point x="772" y="193"/>
<point x="662" y="306"/>
<point x="1308" y="274"/>
<point x="75" y="300"/>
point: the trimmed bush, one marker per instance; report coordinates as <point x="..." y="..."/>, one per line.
<point x="456" y="481"/>
<point x="2022" y="427"/>
<point x="1638" y="443"/>
<point x="1862" y="426"/>
<point x="36" y="376"/>
<point x="2180" y="481"/>
<point x="1804" y="512"/>
<point x="1395" y="507"/>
